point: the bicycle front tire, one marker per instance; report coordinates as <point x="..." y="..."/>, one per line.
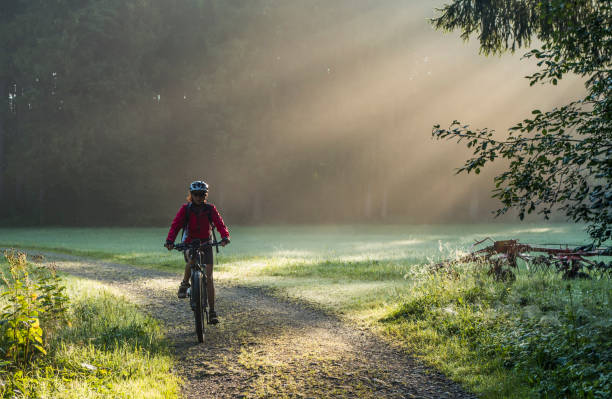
<point x="198" y="291"/>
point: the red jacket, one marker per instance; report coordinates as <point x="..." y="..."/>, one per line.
<point x="199" y="225"/>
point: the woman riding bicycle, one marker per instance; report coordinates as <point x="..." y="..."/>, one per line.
<point x="195" y="218"/>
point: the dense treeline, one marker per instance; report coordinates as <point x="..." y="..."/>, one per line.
<point x="96" y="95"/>
<point x="113" y="106"/>
<point x="292" y="111"/>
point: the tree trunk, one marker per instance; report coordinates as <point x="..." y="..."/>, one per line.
<point x="385" y="202"/>
<point x="41" y="196"/>
<point x="368" y="202"/>
<point x="41" y="181"/>
<point x="256" y="209"/>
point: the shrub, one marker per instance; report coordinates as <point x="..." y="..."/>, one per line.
<point x="34" y="304"/>
<point x="552" y="337"/>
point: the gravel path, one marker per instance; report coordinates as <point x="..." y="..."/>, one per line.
<point x="266" y="347"/>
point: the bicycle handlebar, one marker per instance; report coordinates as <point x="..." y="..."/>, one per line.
<point x="196" y="244"/>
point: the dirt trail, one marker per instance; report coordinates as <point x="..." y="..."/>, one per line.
<point x="266" y="347"/>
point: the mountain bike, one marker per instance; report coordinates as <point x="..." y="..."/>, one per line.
<point x="197" y="294"/>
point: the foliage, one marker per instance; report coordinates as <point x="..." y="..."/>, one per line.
<point x="565" y="353"/>
<point x="34" y="307"/>
<point x="92" y="345"/>
<point x="574" y="360"/>
<point x="560" y="158"/>
<point x="540" y="333"/>
<point x="21" y="332"/>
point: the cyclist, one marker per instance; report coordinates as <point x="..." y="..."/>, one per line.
<point x="195" y="218"/>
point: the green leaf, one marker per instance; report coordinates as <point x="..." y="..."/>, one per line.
<point x="40" y="349"/>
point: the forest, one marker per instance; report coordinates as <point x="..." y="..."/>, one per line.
<point x="115" y="106"/>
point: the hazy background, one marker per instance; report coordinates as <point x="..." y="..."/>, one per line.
<point x="293" y="111"/>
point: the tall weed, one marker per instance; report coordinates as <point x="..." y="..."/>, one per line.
<point x="34" y="304"/>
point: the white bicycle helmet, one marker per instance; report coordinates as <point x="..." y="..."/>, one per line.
<point x="198" y="185"/>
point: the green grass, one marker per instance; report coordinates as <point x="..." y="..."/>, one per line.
<point x="480" y="332"/>
<point x="108" y="349"/>
<point x="519" y="339"/>
<point x="407" y="244"/>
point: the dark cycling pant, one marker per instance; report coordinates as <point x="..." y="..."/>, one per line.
<point x="207" y="258"/>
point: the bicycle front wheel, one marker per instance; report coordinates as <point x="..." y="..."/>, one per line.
<point x="198" y="291"/>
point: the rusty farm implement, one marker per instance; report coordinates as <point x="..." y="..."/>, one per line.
<point x="502" y="256"/>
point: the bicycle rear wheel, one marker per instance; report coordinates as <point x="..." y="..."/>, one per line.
<point x="198" y="292"/>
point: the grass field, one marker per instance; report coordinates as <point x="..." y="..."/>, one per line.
<point x="107" y="347"/>
<point x="539" y="335"/>
<point x="144" y="245"/>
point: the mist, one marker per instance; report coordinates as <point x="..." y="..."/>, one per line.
<point x="293" y="112"/>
